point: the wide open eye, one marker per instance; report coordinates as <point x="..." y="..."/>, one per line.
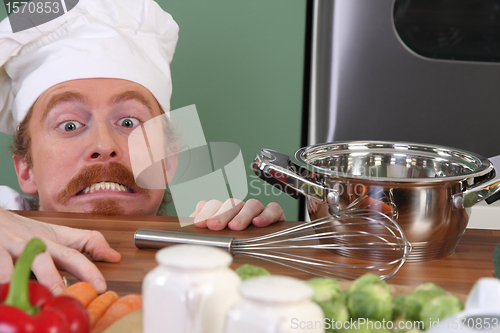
<point x="128" y="122"/>
<point x="70" y="126"/>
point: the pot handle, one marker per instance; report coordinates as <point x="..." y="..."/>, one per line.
<point x="488" y="191"/>
<point x="276" y="169"/>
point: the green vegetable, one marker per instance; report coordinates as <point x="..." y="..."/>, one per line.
<point x="325" y="289"/>
<point x="439" y="308"/>
<point x="248" y="271"/>
<point x="422" y="294"/>
<point x="370" y="297"/>
<point x="19" y="288"/>
<point x="366" y="279"/>
<point x="399" y="306"/>
<point x="371" y="301"/>
<point x="345" y="295"/>
<point x="336" y="311"/>
<point x="496" y="260"/>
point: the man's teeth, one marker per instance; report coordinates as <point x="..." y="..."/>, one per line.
<point x="105" y="186"/>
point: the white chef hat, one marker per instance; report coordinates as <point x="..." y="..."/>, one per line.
<point x="124" y="39"/>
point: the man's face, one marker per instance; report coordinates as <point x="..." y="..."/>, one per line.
<point x="79" y="146"/>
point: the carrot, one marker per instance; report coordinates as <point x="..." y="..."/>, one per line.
<point x="82" y="291"/>
<point x="100" y="305"/>
<point x="122" y="307"/>
<point x="377" y="205"/>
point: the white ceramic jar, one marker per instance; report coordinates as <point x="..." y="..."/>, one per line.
<point x="190" y="291"/>
<point x="274" y="304"/>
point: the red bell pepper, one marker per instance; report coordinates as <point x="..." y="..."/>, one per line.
<point x="27" y="306"/>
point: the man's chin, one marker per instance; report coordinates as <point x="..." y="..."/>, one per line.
<point x="109" y="207"/>
<point x="112" y="207"/>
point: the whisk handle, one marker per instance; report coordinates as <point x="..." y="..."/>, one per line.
<point x="158" y="239"/>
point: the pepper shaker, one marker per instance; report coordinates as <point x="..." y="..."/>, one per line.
<point x="274" y="304"/>
<point x="190" y="291"/>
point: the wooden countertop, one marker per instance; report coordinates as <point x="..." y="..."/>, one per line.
<point x="456" y="273"/>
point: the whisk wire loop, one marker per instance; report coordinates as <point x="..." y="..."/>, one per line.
<point x="348" y="233"/>
<point x="350" y="243"/>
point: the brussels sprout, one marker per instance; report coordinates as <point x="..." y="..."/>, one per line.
<point x="336" y="311"/>
<point x="248" y="271"/>
<point x="366" y="326"/>
<point x="422" y="294"/>
<point x="399" y="306"/>
<point x="325" y="289"/>
<point x="363" y="280"/>
<point x="371" y="301"/>
<point x="345" y="295"/>
<point x="439" y="308"/>
<point x="369" y="278"/>
<point x="429" y="286"/>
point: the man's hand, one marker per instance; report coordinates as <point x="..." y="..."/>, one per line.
<point x="236" y="214"/>
<point x="64" y="251"/>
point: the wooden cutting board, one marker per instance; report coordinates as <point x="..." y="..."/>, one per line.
<point x="131" y="323"/>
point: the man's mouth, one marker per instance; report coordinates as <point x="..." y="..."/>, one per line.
<point x="101" y="181"/>
<point x="106" y="186"/>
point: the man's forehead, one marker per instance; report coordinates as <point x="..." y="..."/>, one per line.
<point x="87" y="91"/>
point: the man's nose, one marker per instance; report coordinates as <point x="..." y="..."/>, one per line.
<point x="105" y="145"/>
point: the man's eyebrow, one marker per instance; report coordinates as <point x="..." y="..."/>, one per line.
<point x="133" y="95"/>
<point x="67" y="96"/>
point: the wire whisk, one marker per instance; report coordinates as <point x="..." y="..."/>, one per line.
<point x="343" y="246"/>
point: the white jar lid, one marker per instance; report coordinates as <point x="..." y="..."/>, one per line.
<point x="275" y="289"/>
<point x="193" y="257"/>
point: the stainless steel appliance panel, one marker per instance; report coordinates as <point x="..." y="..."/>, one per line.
<point x="366" y="84"/>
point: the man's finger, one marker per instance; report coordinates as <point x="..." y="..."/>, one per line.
<point x="272" y="213"/>
<point x="99" y="249"/>
<point x="208" y="210"/>
<point x="87" y="241"/>
<point x="198" y="208"/>
<point x="46" y="272"/>
<point x="80" y="266"/>
<point x="251" y="209"/>
<point x="226" y="213"/>
<point x="6" y="266"/>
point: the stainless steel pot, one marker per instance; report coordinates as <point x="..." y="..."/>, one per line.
<point x="428" y="189"/>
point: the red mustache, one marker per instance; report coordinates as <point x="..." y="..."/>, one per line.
<point x="95" y="173"/>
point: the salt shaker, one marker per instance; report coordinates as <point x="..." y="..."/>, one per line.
<point x="190" y="291"/>
<point x="274" y="304"/>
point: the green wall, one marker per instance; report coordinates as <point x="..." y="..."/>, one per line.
<point x="241" y="62"/>
<point x="7" y="173"/>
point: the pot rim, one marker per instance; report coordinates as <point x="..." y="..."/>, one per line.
<point x="482" y="165"/>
